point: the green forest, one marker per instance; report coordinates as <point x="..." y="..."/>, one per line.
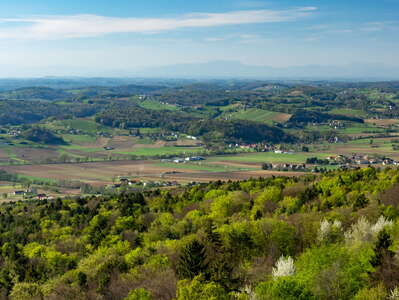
<point x="334" y="236"/>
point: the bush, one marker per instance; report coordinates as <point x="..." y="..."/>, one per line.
<point x="200" y="290"/>
<point x="377" y="293"/>
<point x="284" y="288"/>
<point x="25" y="290"/>
<point x="139" y="294"/>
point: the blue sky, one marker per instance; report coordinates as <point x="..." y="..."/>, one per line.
<point x="104" y="38"/>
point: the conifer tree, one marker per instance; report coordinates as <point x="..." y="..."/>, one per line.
<point x="192" y="261"/>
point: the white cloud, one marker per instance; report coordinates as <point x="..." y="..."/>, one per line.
<point x="61" y="27"/>
<point x="380" y="26"/>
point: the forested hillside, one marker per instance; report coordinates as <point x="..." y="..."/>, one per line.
<point x="214" y="111"/>
<point x="329" y="237"/>
<point x="27" y="112"/>
<point x="236" y="131"/>
<point x="136" y="117"/>
<point x="303" y="117"/>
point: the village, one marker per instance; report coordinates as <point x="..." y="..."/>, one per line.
<point x="359" y="159"/>
<point x="317" y="165"/>
<point x="184" y="160"/>
<point x="124" y="182"/>
<point x="29" y="193"/>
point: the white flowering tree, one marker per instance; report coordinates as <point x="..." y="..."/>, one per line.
<point x="327" y="229"/>
<point x="364" y="231"/>
<point x="394" y="294"/>
<point x="284" y="267"/>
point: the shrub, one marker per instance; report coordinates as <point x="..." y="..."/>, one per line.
<point x="377" y="293"/>
<point x="284" y="288"/>
<point x="200" y="290"/>
<point x="139" y="294"/>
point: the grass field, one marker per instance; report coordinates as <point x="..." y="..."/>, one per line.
<point x="38" y="179"/>
<point x="361" y="129"/>
<point x="259" y="115"/>
<point x="103" y="173"/>
<point x="224" y="167"/>
<point x="349" y="112"/>
<point x="78" y="138"/>
<point x="90" y="146"/>
<point x="81" y="148"/>
<point x="162" y="151"/>
<point x="379" y="146"/>
<point x="85" y="125"/>
<point x="382" y="122"/>
<point x="270" y="157"/>
<point x="156" y="105"/>
<point x="206" y="167"/>
<point x="354" y="129"/>
<point x="11" y="153"/>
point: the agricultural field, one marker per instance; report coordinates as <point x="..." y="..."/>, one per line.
<point x="224" y="167"/>
<point x="266" y="157"/>
<point x="86" y="140"/>
<point x="91" y="136"/>
<point x="85" y="126"/>
<point x="142" y="170"/>
<point x="156" y="105"/>
<point x="371" y="146"/>
<point x="258" y="115"/>
<point x="349" y="112"/>
<point x="383" y="122"/>
<point x="361" y="129"/>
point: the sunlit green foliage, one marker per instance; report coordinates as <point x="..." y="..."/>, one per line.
<point x="337" y="234"/>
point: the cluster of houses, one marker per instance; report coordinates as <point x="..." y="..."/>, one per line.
<point x="127" y="182"/>
<point x="31" y="193"/>
<point x="104" y="134"/>
<point x="74" y="131"/>
<point x="335" y="124"/>
<point x="173" y="136"/>
<point x="191" y="137"/>
<point x="360" y="160"/>
<point x="168" y="136"/>
<point x="14" y="132"/>
<point x="333" y="140"/>
<point x="184" y="160"/>
<point x="279" y="151"/>
<point x="143" y="97"/>
<point x="284" y="167"/>
<point x="261" y="147"/>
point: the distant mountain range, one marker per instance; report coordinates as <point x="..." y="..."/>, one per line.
<point x="212" y="70"/>
<point x="233" y="69"/>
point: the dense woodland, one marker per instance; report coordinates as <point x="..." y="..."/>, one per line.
<point x="328" y="237"/>
<point x="303" y="117"/>
<point x="236" y="131"/>
<point x="41" y="135"/>
<point x="134" y="116"/>
<point x="28" y="112"/>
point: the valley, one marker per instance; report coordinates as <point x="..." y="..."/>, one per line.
<point x="86" y="138"/>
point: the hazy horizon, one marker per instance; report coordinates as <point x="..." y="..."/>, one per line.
<point x="262" y="39"/>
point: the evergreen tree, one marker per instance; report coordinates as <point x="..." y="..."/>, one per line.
<point x="192" y="261"/>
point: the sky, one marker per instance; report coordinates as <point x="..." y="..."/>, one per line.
<point x="121" y="37"/>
